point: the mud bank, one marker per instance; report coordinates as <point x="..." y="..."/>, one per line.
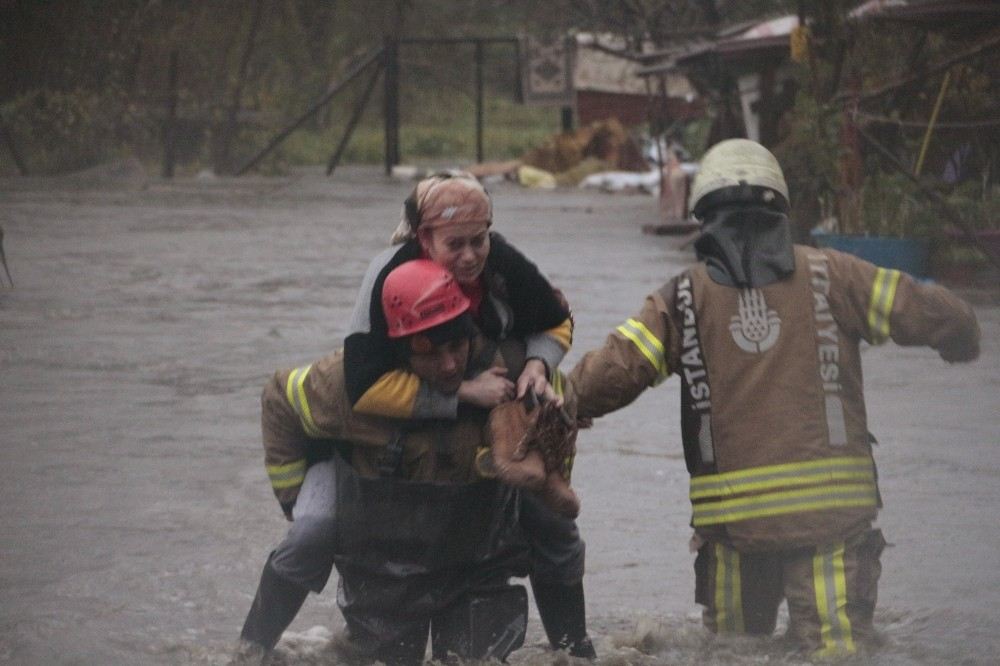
<point x="147" y="316"/>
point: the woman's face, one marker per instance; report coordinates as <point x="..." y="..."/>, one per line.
<point x="461" y="248"/>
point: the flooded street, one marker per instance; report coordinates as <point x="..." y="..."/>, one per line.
<point x="147" y="316"/>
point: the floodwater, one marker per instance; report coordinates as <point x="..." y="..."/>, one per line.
<point x="147" y="315"/>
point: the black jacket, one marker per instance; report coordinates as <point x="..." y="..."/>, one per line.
<point x="518" y="302"/>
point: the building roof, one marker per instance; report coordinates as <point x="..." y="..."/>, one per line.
<point x="927" y="11"/>
<point x="765" y="35"/>
<point x="734" y="41"/>
<point x="603" y="65"/>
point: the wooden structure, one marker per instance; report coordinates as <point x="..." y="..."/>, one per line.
<point x="385" y="61"/>
<point x="608" y="85"/>
<point x="392" y="153"/>
<point x="742" y="70"/>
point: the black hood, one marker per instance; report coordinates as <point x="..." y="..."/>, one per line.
<point x="746" y="246"/>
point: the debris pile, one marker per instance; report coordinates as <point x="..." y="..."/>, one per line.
<point x="568" y="158"/>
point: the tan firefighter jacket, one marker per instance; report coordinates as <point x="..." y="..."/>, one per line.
<point x="307" y="408"/>
<point x="772" y="408"/>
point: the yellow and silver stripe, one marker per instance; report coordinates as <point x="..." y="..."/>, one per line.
<point x="785" y="475"/>
<point x="287" y="476"/>
<point x="728" y="591"/>
<point x="880" y="307"/>
<point x="295" y="391"/>
<point x="767" y="505"/>
<point x="830" y="582"/>
<point x="648" y="344"/>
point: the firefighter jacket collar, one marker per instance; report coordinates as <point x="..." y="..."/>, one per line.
<point x="746" y="246"/>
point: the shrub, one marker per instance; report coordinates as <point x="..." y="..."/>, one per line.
<point x="64" y="131"/>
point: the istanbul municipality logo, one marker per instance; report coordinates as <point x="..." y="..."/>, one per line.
<point x="755" y="329"/>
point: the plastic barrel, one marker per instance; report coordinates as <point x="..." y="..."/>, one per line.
<point x="905" y="254"/>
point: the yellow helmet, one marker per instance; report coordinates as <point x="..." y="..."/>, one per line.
<point x="738" y="171"/>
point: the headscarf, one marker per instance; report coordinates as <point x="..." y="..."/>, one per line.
<point x="445" y="198"/>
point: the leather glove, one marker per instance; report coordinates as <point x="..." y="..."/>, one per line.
<point x="532" y="446"/>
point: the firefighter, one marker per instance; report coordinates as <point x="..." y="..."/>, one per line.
<point x="419" y="540"/>
<point x="765" y="338"/>
<point x="447" y="218"/>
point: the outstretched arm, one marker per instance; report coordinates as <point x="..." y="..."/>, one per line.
<point x="634" y="357"/>
<point x="882" y="304"/>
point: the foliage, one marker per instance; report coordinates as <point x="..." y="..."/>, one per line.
<point x="979" y="206"/>
<point x="809" y="158"/>
<point x="890" y="208"/>
<point x="694" y="136"/>
<point x="103" y="65"/>
<point x="101" y="68"/>
<point x="73" y="129"/>
<point x="510" y="130"/>
<point x="86" y="80"/>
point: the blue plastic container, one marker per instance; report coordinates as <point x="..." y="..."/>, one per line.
<point x="905" y="254"/>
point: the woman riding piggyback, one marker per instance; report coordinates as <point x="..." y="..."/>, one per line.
<point x="447" y="219"/>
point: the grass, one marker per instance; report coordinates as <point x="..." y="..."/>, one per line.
<point x="434" y="126"/>
<point x="509" y="131"/>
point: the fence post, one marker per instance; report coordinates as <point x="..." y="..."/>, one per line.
<point x="319" y="104"/>
<point x="479" y="101"/>
<point x="391" y="109"/>
<point x="8" y="140"/>
<point x="170" y="121"/>
<point x="355" y="116"/>
<point x="566" y="115"/>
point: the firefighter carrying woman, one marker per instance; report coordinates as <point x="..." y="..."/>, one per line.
<point x="387" y="394"/>
<point x="765" y="336"/>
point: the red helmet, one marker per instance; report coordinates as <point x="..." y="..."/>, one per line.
<point x="420" y="295"/>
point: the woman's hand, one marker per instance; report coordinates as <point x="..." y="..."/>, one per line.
<point x="488" y="389"/>
<point x="534" y="377"/>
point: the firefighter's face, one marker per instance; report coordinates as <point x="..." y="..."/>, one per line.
<point x="441" y="366"/>
<point x="461" y="248"/>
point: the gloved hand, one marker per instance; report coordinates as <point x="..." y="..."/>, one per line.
<point x="962" y="349"/>
<point x="555" y="435"/>
<point x="533" y="446"/>
<point x="510" y="429"/>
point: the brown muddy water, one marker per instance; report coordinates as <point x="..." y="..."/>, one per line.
<point x="147" y="315"/>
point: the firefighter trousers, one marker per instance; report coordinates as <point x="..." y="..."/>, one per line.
<point x="831" y="591"/>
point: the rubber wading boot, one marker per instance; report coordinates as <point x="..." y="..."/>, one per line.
<point x="275" y="606"/>
<point x="564" y="617"/>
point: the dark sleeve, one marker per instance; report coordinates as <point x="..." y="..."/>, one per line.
<point x="367" y="351"/>
<point x="533" y="301"/>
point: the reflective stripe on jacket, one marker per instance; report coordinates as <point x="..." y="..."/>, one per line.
<point x="772" y="408"/>
<point x="305" y="409"/>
